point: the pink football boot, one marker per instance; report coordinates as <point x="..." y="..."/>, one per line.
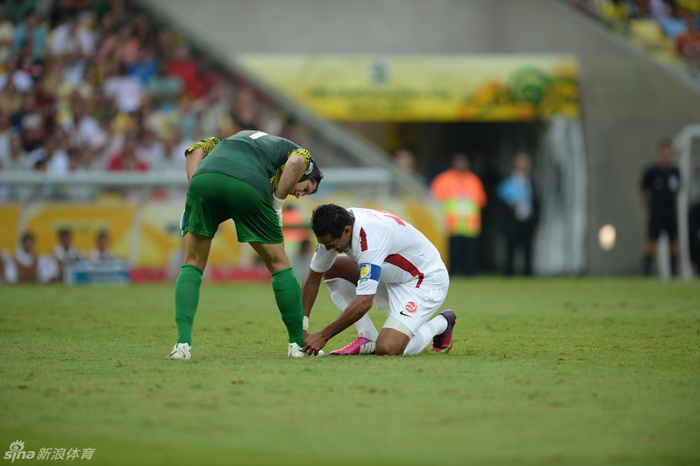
<point x="360" y="346"/>
<point x="443" y="343"/>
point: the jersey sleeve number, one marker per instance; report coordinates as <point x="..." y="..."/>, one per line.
<point x="390" y="215"/>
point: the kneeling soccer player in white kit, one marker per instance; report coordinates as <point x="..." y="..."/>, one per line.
<point x="387" y="261"/>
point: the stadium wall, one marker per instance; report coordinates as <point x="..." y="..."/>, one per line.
<point x="628" y="101"/>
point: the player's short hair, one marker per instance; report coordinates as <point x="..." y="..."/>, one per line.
<point x="330" y="218"/>
<point x="316" y="175"/>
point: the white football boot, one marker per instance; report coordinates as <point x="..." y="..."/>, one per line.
<point x="180" y="351"/>
<point x="295" y="351"/>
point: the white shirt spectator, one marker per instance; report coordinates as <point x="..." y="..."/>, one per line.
<point x="67" y="256"/>
<point x="125" y="91"/>
<point x="21" y="79"/>
<point x="68" y="38"/>
<point x="84" y="132"/>
<point x="7" y="35"/>
<point x="659" y="10"/>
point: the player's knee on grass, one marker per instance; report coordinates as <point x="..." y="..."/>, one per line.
<point x="391" y="342"/>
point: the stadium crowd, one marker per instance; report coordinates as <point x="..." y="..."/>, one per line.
<point x="97" y="85"/>
<point x="667" y="29"/>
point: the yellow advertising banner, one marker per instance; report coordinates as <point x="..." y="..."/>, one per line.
<point x="425" y="88"/>
<point x="148" y="236"/>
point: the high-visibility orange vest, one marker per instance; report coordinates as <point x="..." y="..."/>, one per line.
<point x="462" y="196"/>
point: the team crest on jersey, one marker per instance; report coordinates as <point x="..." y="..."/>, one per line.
<point x="411" y="307"/>
<point x="369" y="272"/>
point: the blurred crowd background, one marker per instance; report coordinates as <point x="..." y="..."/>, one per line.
<point x="93" y="87"/>
<point x="667" y="29"/>
<point x="100" y="86"/>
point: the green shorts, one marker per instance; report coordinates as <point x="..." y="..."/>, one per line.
<point x="213" y="198"/>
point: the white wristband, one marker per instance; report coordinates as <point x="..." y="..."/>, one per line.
<point x="305" y="325"/>
<point x="277" y="203"/>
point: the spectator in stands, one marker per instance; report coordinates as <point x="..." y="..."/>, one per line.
<point x="164" y="88"/>
<point x="25" y="266"/>
<point x="660" y="185"/>
<point x="127" y="159"/>
<point x="73" y="70"/>
<point x="65" y="253"/>
<point x="28" y="64"/>
<point x="16" y="10"/>
<point x="151" y="148"/>
<point x="216" y="104"/>
<point x="70" y="37"/>
<point x="641" y="9"/>
<point x="7" y="35"/>
<point x="33" y="131"/>
<point x="243" y="112"/>
<point x="405" y="160"/>
<point x="183" y="66"/>
<point x="618" y="10"/>
<point x="6" y="131"/>
<point x="55" y="157"/>
<point x="145" y="67"/>
<point x="17" y="159"/>
<point x="33" y="31"/>
<point x="462" y="196"/>
<point x="14" y="80"/>
<point x="124" y="90"/>
<point x="101" y="251"/>
<point x="28" y="105"/>
<point x="688" y="43"/>
<point x="173" y="155"/>
<point x="517" y="193"/>
<point x="660" y="10"/>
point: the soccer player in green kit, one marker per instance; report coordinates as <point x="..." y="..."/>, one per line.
<point x="245" y="177"/>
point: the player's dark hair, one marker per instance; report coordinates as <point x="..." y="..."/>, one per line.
<point x="330" y="218"/>
<point x="316" y="176"/>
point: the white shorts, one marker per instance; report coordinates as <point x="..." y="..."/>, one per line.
<point x="409" y="307"/>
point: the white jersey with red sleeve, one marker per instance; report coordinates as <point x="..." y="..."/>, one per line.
<point x="390" y="249"/>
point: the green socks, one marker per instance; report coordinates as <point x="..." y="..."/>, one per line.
<point x="288" y="298"/>
<point x="186" y="300"/>
<point x="284" y="284"/>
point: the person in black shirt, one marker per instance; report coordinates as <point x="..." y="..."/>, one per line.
<point x="660" y="186"/>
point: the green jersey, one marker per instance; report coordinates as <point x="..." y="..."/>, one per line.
<point x="252" y="156"/>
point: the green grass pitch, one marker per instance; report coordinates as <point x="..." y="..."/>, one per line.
<point x="543" y="371"/>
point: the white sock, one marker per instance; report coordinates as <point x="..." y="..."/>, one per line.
<point x="425" y="335"/>
<point x="342" y="292"/>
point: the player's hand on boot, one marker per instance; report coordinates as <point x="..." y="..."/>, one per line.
<point x="314" y="342"/>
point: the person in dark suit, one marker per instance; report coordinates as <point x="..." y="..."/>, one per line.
<point x="521" y="217"/>
<point x="660" y="185"/>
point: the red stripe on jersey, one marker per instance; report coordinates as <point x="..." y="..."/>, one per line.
<point x="406" y="265"/>
<point x="363" y="239"/>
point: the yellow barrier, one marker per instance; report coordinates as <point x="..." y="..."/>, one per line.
<point x="149" y="236"/>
